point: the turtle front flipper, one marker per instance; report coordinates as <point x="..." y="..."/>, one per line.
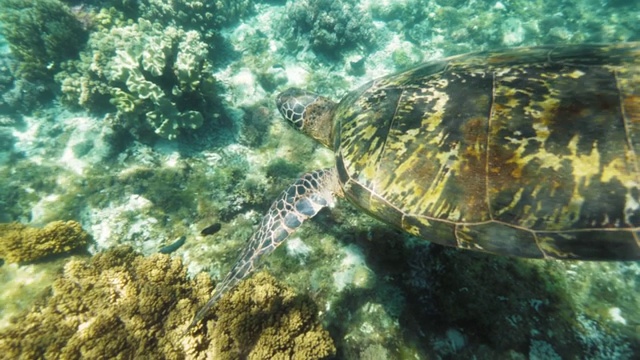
<point x="301" y="201"/>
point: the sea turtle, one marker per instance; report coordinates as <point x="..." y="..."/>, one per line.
<point x="528" y="152"/>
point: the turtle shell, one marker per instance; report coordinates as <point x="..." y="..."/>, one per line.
<point x="528" y="152"/>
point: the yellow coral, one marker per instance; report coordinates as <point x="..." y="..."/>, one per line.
<point x="118" y="304"/>
<point x="121" y="305"/>
<point x="262" y="319"/>
<point x="20" y="243"/>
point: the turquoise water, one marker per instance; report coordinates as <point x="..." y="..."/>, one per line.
<point x="147" y="122"/>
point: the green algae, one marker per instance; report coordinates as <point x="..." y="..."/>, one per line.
<point x="281" y="168"/>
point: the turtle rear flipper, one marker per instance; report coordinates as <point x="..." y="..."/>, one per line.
<point x="301" y="201"/>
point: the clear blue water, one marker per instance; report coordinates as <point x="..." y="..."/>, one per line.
<point x="148" y="122"/>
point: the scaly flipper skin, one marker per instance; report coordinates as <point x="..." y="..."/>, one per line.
<point x="301" y="201"/>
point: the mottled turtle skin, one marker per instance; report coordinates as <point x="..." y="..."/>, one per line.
<point x="529" y="152"/>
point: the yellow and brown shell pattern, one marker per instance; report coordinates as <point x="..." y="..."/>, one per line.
<point x="529" y="152"/>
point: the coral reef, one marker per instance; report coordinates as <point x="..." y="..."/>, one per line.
<point x="121" y="305"/>
<point x="26" y="96"/>
<point x="158" y="78"/>
<point x="247" y="328"/>
<point x="116" y="305"/>
<point x="425" y="302"/>
<point x="19" y="95"/>
<point x="206" y="17"/>
<point x="6" y="84"/>
<point x="460" y="26"/>
<point x="401" y="13"/>
<point x="20" y="243"/>
<point x="23" y="284"/>
<point x="41" y="35"/>
<point x="237" y="187"/>
<point x="329" y="26"/>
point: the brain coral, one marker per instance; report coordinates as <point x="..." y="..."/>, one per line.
<point x="121" y="305"/>
<point x="20" y="243"/>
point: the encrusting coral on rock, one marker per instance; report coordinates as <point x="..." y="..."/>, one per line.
<point x="20" y="243"/>
<point x="121" y="305"/>
<point x="262" y="319"/>
<point x="118" y="304"/>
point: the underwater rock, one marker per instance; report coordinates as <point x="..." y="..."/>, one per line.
<point x="356" y="66"/>
<point x="353" y="271"/>
<point x="20" y="243"/>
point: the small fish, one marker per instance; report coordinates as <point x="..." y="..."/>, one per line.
<point x="210" y="230"/>
<point x="173" y="246"/>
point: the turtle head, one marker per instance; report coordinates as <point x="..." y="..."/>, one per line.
<point x="308" y="112"/>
